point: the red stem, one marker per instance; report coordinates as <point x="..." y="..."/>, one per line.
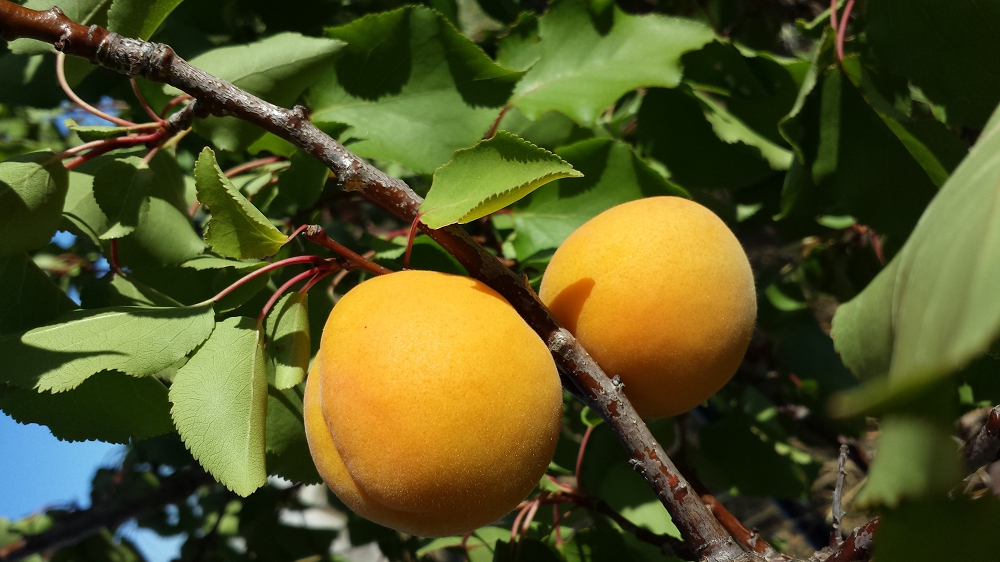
<point x="281" y="291"/>
<point x="114" y="256"/>
<point x="842" y="30"/>
<point x="316" y="279"/>
<point x="409" y="240"/>
<point x="833" y="14"/>
<point x="142" y="102"/>
<point x="263" y="270"/>
<point x="64" y="84"/>
<point x="112" y="144"/>
<point x="247" y="166"/>
<point x="173" y="102"/>
<point x="579" y="455"/>
<point x="496" y="122"/>
<point x="355" y="261"/>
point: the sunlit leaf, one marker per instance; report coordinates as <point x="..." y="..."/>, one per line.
<point x="488" y="177"/>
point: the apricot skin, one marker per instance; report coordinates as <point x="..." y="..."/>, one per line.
<point x="432" y="407"/>
<point x="660" y="292"/>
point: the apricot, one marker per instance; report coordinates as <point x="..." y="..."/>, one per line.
<point x="660" y="292"/>
<point x="431" y="407"/>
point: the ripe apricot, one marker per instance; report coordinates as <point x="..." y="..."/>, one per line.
<point x="660" y="292"/>
<point x="432" y="407"/>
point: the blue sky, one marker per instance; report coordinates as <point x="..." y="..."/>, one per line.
<point x="38" y="470"/>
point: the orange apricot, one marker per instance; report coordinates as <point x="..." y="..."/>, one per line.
<point x="660" y="292"/>
<point x="431" y="407"/>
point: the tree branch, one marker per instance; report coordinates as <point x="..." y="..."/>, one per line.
<point x="707" y="538"/>
<point x="858" y="546"/>
<point x="81" y="524"/>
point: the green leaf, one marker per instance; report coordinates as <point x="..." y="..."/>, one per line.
<point x="410" y="89"/>
<point x="613" y="174"/>
<point x="589" y="60"/>
<point x="165" y="238"/>
<point x="303" y="182"/>
<point x="948" y="49"/>
<point x="108" y="406"/>
<point x="480" y="543"/>
<point x="28" y="297"/>
<point x="32" y="191"/>
<point x="121" y="189"/>
<point x="277" y="69"/>
<point x="83" y="12"/>
<point x="701" y="145"/>
<point x="287" y="449"/>
<point x="758" y="89"/>
<point x="139" y="18"/>
<point x="488" y="177"/>
<point x="935" y="311"/>
<point x="206" y="261"/>
<point x="905" y="533"/>
<point x="220" y="403"/>
<point x="135" y="341"/>
<point x="526" y="550"/>
<point x="852" y="162"/>
<point x="287" y="330"/>
<point x="916" y="458"/>
<point x="862" y="327"/>
<point x="237" y="229"/>
<point x="775" y="472"/>
<point x="92" y="133"/>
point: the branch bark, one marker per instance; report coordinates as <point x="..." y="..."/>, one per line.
<point x="157" y="62"/>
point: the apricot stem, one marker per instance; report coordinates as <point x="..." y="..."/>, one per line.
<point x="263" y="270"/>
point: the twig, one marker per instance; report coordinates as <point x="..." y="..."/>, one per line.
<point x="318" y="235"/>
<point x="836" y="538"/>
<point x="984" y="447"/>
<point x="858" y="546"/>
<point x="133" y="57"/>
<point x="748" y="539"/>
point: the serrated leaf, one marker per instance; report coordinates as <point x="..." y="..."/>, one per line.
<point x="613" y="174"/>
<point x="277" y="69"/>
<point x="287" y="329"/>
<point x="947" y="49"/>
<point x="92" y="133"/>
<point x="589" y="60"/>
<point x="934" y="311"/>
<point x="121" y="189"/>
<point x="237" y="229"/>
<point x="410" y="89"/>
<point x="206" y="261"/>
<point x="28" y="297"/>
<point x="83" y="12"/>
<point x="32" y="191"/>
<point x="108" y="406"/>
<point x="488" y="177"/>
<point x="139" y="18"/>
<point x="220" y="403"/>
<point x="135" y="341"/>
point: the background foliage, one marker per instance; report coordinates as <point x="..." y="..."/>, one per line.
<point x="868" y="179"/>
